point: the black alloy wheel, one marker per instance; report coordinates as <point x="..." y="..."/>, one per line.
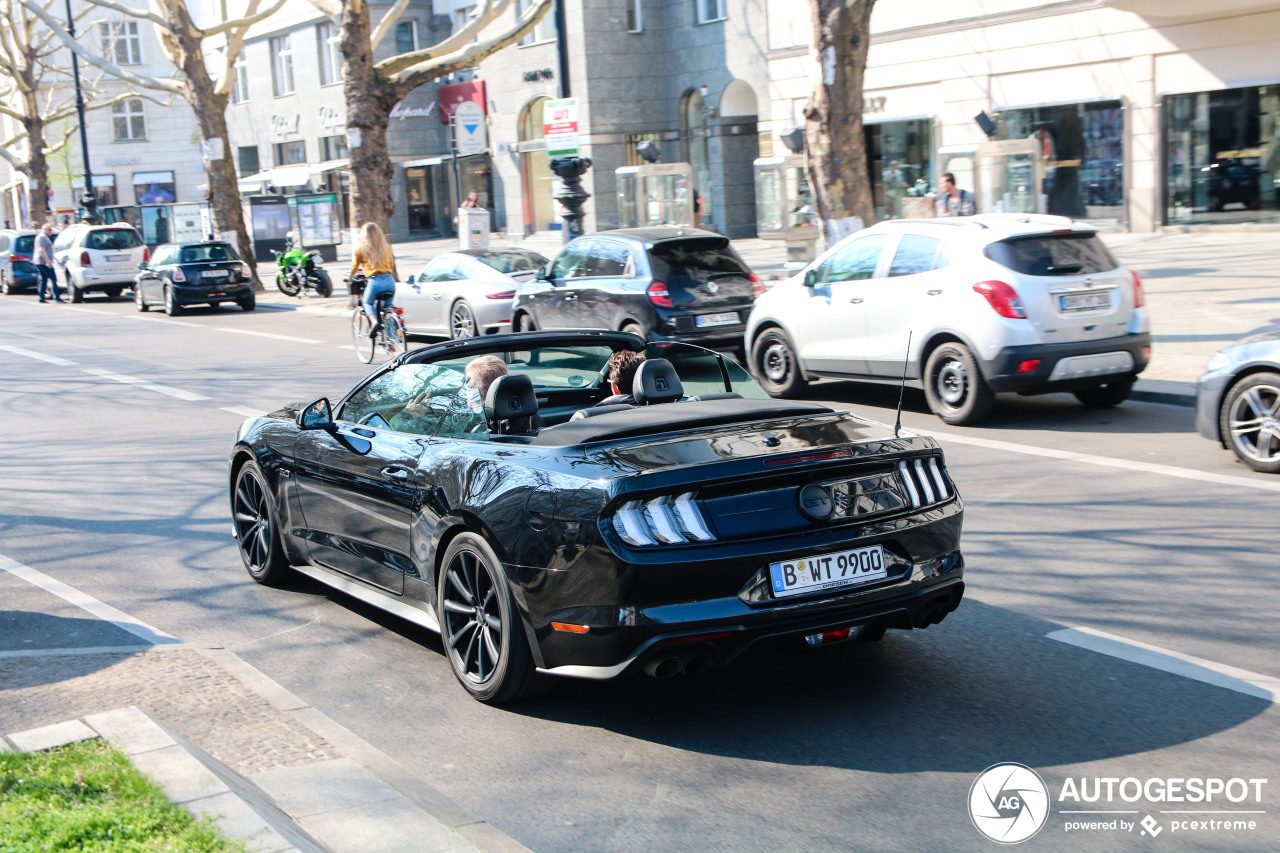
<point x="481" y="629"/>
<point x="462" y="321"/>
<point x="954" y="387"/>
<point x="1105" y="396"/>
<point x="171" y="305"/>
<point x="253" y="517"/>
<point x="139" y="301"/>
<point x="1250" y="421"/>
<point x="776" y="365"/>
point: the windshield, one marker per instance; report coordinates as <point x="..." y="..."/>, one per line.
<point x="111" y="239"/>
<point x="509" y="262"/>
<point x="207" y="252"/>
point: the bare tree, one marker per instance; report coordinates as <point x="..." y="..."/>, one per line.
<point x="374" y="88"/>
<point x="837" y="161"/>
<point x="207" y="91"/>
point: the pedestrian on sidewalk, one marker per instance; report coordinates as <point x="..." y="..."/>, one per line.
<point x="44" y="262"/>
<point x="954" y="201"/>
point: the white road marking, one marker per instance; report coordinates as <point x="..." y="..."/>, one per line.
<point x="88" y="650"/>
<point x="92" y="311"/>
<point x="52" y="359"/>
<point x="272" y="335"/>
<point x="346" y="346"/>
<point x="168" y="321"/>
<point x="142" y="383"/>
<point x="1272" y="485"/>
<point x="244" y="410"/>
<point x="87" y="602"/>
<point x="1167" y="660"/>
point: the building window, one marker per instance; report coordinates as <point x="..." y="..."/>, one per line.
<point x="545" y="30"/>
<point x="128" y="122"/>
<point x="406" y="36"/>
<point x="710" y="10"/>
<point x="247" y="159"/>
<point x="120" y="42"/>
<point x="334" y="147"/>
<point x="328" y="47"/>
<point x="634" y="11"/>
<point x="281" y="65"/>
<point x="291" y="153"/>
<point x="240" y="92"/>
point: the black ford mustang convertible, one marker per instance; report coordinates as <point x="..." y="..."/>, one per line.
<point x="539" y="533"/>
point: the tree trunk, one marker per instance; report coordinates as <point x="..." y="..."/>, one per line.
<point x="37" y="171"/>
<point x="369" y="104"/>
<point x="837" y="156"/>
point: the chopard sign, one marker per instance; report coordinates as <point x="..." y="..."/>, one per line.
<point x="402" y="112"/>
<point x="332" y="120"/>
<point x="284" y="125"/>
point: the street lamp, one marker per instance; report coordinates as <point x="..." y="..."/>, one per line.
<point x="90" y="199"/>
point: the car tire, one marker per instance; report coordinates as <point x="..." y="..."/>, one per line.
<point x="113" y="292"/>
<point x="480" y="626"/>
<point x="1105" y="396"/>
<point x="171" y="306"/>
<point x="5" y="287"/>
<point x="523" y="323"/>
<point x="248" y="303"/>
<point x="76" y="293"/>
<point x="954" y="387"/>
<point x="139" y="301"/>
<point x="253" y="518"/>
<point x="462" y="321"/>
<point x="1249" y="420"/>
<point x="634" y="328"/>
<point x="776" y="364"/>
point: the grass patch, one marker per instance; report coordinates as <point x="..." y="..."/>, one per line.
<point x="88" y="797"/>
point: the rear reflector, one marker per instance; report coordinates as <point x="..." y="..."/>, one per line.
<point x="570" y="628"/>
<point x="697" y="638"/>
<point x="1029" y="366"/>
<point x="828" y="637"/>
<point x="397" y="310"/>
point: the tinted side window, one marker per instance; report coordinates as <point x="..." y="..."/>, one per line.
<point x="438" y="270"/>
<point x="414" y="398"/>
<point x="572" y="261"/>
<point x="607" y="258"/>
<point x="857" y="260"/>
<point x="25" y="244"/>
<point x="914" y="255"/>
<point x="1053" y="254"/>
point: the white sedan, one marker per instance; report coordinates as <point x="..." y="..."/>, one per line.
<point x="466" y="293"/>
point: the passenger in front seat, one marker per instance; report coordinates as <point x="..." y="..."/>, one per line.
<point x="622" y="367"/>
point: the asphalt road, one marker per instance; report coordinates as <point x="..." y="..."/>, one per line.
<point x="115" y="433"/>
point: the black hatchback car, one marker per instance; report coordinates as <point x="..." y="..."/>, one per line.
<point x="661" y="283"/>
<point x="183" y="274"/>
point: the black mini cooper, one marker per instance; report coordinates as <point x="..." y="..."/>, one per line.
<point x="541" y="533"/>
<point x="184" y="274"/>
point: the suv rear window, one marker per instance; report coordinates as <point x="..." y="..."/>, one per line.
<point x="25" y="244"/>
<point x="698" y="259"/>
<point x="111" y="239"/>
<point x="207" y="252"/>
<point x="1053" y="254"/>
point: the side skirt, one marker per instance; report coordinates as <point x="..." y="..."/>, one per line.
<point x="396" y="607"/>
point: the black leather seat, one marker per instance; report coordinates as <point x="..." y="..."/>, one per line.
<point x="511" y="407"/>
<point x="656" y="382"/>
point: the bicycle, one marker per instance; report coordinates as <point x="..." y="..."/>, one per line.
<point x="389" y="334"/>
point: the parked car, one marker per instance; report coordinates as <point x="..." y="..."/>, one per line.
<point x="966" y="307"/>
<point x="666" y="537"/>
<point x="1238" y="401"/>
<point x="184" y="274"/>
<point x="466" y="293"/>
<point x="99" y="257"/>
<point x="661" y="283"/>
<point x="17" y="261"/>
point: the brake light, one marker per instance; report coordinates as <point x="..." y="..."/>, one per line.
<point x="1138" y="299"/>
<point x="84" y="260"/>
<point x="759" y="285"/>
<point x="146" y="254"/>
<point x="16" y="258"/>
<point x="1002" y="298"/>
<point x="397" y="310"/>
<point x="178" y="274"/>
<point x="244" y="270"/>
<point x="1028" y="366"/>
<point x="502" y="294"/>
<point x="658" y="295"/>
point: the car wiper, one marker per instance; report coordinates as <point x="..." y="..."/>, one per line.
<point x="1064" y="269"/>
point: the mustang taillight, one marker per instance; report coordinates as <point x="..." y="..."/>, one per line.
<point x="668" y="520"/>
<point x="924" y="481"/>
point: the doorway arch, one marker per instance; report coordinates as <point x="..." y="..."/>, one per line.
<point x="537" y="201"/>
<point x="696" y="150"/>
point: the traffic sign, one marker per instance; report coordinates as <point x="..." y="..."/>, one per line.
<point x="469" y="128"/>
<point x="560" y="127"/>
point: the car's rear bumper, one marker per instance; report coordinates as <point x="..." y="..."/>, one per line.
<point x="203" y="295"/>
<point x="1001" y="372"/>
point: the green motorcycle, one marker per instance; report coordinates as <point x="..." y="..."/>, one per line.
<point x="299" y="269"/>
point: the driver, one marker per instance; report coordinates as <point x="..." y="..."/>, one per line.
<point x="622" y="367"/>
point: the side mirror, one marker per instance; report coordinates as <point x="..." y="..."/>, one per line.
<point x="811" y="278"/>
<point x="412" y="279"/>
<point x="143" y="265"/>
<point x="544" y="273"/>
<point x="316" y="416"/>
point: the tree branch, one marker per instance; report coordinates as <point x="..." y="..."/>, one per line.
<point x="389" y="19"/>
<point x="140" y="14"/>
<point x="410" y="77"/>
<point x="250" y="18"/>
<point x="332" y="8"/>
<point x="488" y="12"/>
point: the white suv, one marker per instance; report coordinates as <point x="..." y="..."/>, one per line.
<point x="99" y="257"/>
<point x="1000" y="302"/>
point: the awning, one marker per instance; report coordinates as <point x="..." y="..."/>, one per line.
<point x="281" y="176"/>
<point x="427" y="161"/>
<point x="330" y="166"/>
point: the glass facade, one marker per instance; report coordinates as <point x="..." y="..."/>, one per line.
<point x="899" y="162"/>
<point x="1221" y="156"/>
<point x="1083" y="154"/>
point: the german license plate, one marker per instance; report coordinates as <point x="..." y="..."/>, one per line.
<point x="1085" y="301"/>
<point x="214" y="274"/>
<point x="117" y="258"/>
<point x="729" y="318"/>
<point x="828" y="571"/>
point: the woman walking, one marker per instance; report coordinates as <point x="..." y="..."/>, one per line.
<point x="373" y="254"/>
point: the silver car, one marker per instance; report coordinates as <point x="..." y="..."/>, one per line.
<point x="466" y="293"/>
<point x="1238" y="401"/>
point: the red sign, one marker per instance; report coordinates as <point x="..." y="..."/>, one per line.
<point x="456" y="93"/>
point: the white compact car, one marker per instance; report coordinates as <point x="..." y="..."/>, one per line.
<point x="990" y="303"/>
<point x="99" y="257"/>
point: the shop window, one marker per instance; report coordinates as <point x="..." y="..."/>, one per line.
<point x="898" y="160"/>
<point x="535" y="170"/>
<point x="154" y="187"/>
<point x="291" y="153"/>
<point x="334" y="147"/>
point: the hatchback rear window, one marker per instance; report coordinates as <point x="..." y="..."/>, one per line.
<point x="696" y="259"/>
<point x="1053" y="254"/>
<point x="207" y="252"/>
<point x="25" y="244"/>
<point x="112" y="239"/>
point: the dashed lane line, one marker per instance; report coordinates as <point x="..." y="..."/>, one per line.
<point x="271" y="335"/>
<point x="243" y="410"/>
<point x="92" y="311"/>
<point x="168" y="321"/>
<point x="142" y="383"/>
<point x="39" y="356"/>
<point x="84" y="601"/>
<point x="1167" y="660"/>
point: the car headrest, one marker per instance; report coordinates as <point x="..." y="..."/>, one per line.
<point x="656" y="382"/>
<point x="510" y="397"/>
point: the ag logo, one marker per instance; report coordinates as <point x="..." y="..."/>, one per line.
<point x="1008" y="803"/>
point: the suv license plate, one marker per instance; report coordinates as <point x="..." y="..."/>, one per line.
<point x="117" y="258"/>
<point x="214" y="274"/>
<point x="828" y="571"/>
<point x="1085" y="301"/>
<point x="729" y="318"/>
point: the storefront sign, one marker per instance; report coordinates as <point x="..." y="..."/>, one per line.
<point x="402" y="112"/>
<point x="456" y="93"/>
<point x="121" y="161"/>
<point x="282" y="126"/>
<point x="331" y="120"/>
<point x="539" y="74"/>
<point x="560" y="127"/>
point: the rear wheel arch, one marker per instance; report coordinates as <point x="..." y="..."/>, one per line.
<point x="937" y="340"/>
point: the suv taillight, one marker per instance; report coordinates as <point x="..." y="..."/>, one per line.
<point x="1138" y="299"/>
<point x="758" y="287"/>
<point x="84" y="260"/>
<point x="18" y="259"/>
<point x="658" y="295"/>
<point x="146" y="255"/>
<point x="1002" y="298"/>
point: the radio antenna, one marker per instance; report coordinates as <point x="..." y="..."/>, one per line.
<point x="897" y="424"/>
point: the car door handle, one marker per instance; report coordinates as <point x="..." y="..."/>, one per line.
<point x="857" y="300"/>
<point x="395" y="472"/>
<point x="934" y="292"/>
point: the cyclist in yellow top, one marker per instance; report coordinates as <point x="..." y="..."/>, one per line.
<point x="373" y="253"/>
